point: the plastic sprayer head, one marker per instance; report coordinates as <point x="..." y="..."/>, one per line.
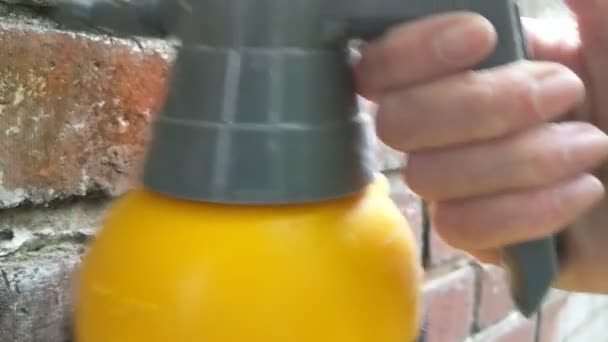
<point x="260" y="109"/>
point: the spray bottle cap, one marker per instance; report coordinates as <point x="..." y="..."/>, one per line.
<point x="260" y="109"/>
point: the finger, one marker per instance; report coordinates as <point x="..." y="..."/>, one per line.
<point x="540" y="156"/>
<point x="424" y="49"/>
<point x="558" y="40"/>
<point x="494" y="221"/>
<point x="593" y="30"/>
<point x="474" y="106"/>
<point x="591" y="18"/>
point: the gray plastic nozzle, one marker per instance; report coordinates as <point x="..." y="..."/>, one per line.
<point x="261" y="106"/>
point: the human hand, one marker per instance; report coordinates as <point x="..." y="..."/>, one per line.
<point x="483" y="147"/>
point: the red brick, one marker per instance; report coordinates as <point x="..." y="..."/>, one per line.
<point x="449" y="303"/>
<point x="550" y="316"/>
<point x="408" y="202"/>
<point x="514" y="328"/>
<point x="495" y="301"/>
<point x="74" y="111"/>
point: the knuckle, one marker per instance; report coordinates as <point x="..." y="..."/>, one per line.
<point x="525" y="79"/>
<point x="546" y="162"/>
<point x="527" y="102"/>
<point x="514" y="93"/>
<point x="549" y="204"/>
<point x="481" y="89"/>
<point x="483" y="100"/>
<point x="543" y="166"/>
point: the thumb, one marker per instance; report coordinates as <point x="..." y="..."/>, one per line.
<point x="592" y="17"/>
<point x="554" y="40"/>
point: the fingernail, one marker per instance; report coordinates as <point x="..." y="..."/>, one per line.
<point x="583" y="133"/>
<point x="466" y="41"/>
<point x="585" y="191"/>
<point x="592" y="144"/>
<point x="558" y="92"/>
<point x="585" y="146"/>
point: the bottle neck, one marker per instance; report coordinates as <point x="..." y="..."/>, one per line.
<point x="254" y="127"/>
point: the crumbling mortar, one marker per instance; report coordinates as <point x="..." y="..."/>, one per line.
<point x="66" y="226"/>
<point x="38" y="18"/>
<point x="42" y="243"/>
<point x="59" y="201"/>
<point x="479" y="288"/>
<point x="22" y="12"/>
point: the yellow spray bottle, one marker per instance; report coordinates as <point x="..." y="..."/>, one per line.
<point x="261" y="218"/>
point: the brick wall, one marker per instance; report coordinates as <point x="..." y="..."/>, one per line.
<point x="75" y="110"/>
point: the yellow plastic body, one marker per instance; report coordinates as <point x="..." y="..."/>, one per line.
<point x="168" y="270"/>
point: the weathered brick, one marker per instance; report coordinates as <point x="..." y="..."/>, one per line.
<point x="74" y="111"/>
<point x="495" y="301"/>
<point x="513" y="328"/>
<point x="39" y="252"/>
<point x="550" y="316"/>
<point x="35" y="296"/>
<point x="449" y="303"/>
